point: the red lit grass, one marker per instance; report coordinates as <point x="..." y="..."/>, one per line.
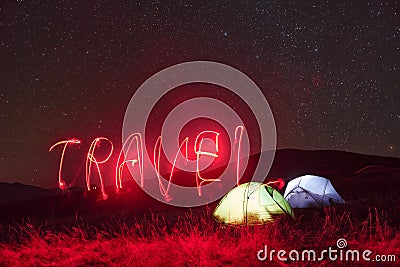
<point x="191" y="239"/>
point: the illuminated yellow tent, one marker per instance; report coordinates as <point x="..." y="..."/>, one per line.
<point x="251" y="204"/>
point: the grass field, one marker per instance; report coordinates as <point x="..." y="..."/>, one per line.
<point x="132" y="229"/>
<point x="192" y="238"/>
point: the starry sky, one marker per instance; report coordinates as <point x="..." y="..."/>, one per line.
<point x="329" y="69"/>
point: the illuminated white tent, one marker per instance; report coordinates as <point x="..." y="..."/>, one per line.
<point x="251" y="204"/>
<point x="311" y="191"/>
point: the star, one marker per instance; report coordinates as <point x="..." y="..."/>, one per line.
<point x="331" y="81"/>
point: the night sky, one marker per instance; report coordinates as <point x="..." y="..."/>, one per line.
<point x="330" y="70"/>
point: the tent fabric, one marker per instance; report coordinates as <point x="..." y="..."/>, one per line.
<point x="251" y="204"/>
<point x="311" y="191"/>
